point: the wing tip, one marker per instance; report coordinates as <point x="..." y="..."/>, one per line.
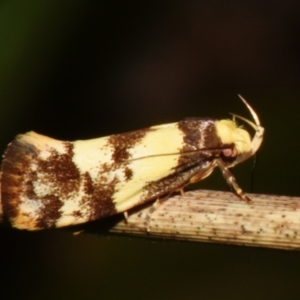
<point x="18" y="155"/>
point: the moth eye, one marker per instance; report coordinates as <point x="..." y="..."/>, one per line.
<point x="229" y="152"/>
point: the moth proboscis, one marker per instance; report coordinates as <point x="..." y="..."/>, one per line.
<point x="48" y="183"/>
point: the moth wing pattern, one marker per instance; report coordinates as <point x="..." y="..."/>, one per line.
<point x="50" y="183"/>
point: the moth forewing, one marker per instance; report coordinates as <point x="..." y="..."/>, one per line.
<point x="50" y="183"/>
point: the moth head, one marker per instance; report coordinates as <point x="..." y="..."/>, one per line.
<point x="243" y="146"/>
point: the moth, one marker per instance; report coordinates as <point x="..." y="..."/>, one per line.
<point x="48" y="183"/>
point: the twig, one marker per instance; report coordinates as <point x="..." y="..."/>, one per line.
<point x="221" y="217"/>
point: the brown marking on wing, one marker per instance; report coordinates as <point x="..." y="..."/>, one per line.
<point x="61" y="171"/>
<point x="122" y="143"/>
<point x="49" y="212"/>
<point x="99" y="196"/>
<point x="128" y="173"/>
<point x="199" y="134"/>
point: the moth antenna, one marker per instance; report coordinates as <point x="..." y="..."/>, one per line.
<point x="253" y="113"/>
<point x="258" y="137"/>
<point x="245" y="120"/>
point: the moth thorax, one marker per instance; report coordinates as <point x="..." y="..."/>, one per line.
<point x="229" y="133"/>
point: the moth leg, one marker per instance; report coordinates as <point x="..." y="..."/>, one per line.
<point x="181" y="191"/>
<point x="154" y="206"/>
<point x="230" y="179"/>
<point x="125" y="213"/>
<point x="75" y="233"/>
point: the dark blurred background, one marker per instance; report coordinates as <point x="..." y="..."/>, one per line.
<point x="82" y="69"/>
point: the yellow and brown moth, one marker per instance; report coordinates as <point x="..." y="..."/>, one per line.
<point x="48" y="183"/>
